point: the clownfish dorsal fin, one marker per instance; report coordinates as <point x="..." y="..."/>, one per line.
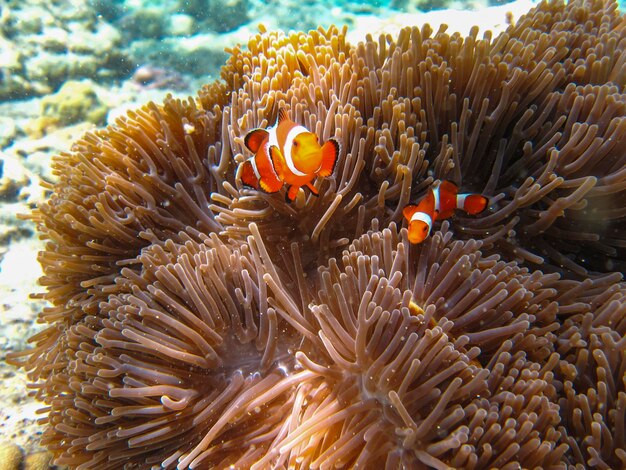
<point x="409" y="210"/>
<point x="255" y="138"/>
<point x="449" y="187"/>
<point x="283" y="115"/>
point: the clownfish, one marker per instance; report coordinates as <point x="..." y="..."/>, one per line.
<point x="440" y="202"/>
<point x="287" y="154"/>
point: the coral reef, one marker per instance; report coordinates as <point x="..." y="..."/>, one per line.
<point x="197" y="324"/>
<point x="10" y="456"/>
<point x="145" y="23"/>
<point x="74" y="102"/>
<point x="43" y="44"/>
<point x="38" y="461"/>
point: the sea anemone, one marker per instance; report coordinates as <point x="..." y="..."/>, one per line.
<point x="194" y="323"/>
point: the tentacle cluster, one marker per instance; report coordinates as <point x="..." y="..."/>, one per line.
<point x="194" y="323"/>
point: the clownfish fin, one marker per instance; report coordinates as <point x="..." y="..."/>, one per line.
<point x="416" y="309"/>
<point x="269" y="180"/>
<point x="269" y="186"/>
<point x="254" y="139"/>
<point x="313" y="189"/>
<point x="292" y="192"/>
<point x="248" y="176"/>
<point x="283" y="115"/>
<point x="278" y="161"/>
<point x="474" y="203"/>
<point x="330" y="153"/>
<point x="408" y="211"/>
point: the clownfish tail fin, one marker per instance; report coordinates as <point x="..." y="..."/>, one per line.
<point x="474" y="203"/>
<point x="248" y="176"/>
<point x="330" y="153"/>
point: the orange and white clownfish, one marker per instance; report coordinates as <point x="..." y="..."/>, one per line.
<point x="287" y="153"/>
<point x="440" y="202"/>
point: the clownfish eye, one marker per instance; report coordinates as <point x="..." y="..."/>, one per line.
<point x="295" y="143"/>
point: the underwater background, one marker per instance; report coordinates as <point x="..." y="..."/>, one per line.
<point x="70" y="66"/>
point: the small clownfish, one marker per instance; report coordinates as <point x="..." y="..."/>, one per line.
<point x="287" y="153"/>
<point x="440" y="203"/>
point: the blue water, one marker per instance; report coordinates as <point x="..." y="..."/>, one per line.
<point x="108" y="41"/>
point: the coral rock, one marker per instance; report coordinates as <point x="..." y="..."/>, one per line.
<point x="10" y="456"/>
<point x="38" y="461"/>
<point x="74" y="102"/>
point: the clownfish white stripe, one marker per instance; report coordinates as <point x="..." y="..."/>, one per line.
<point x="272" y="137"/>
<point x="423" y="217"/>
<point x="435" y="190"/>
<point x="254" y="168"/>
<point x="293" y="133"/>
<point x="460" y="200"/>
